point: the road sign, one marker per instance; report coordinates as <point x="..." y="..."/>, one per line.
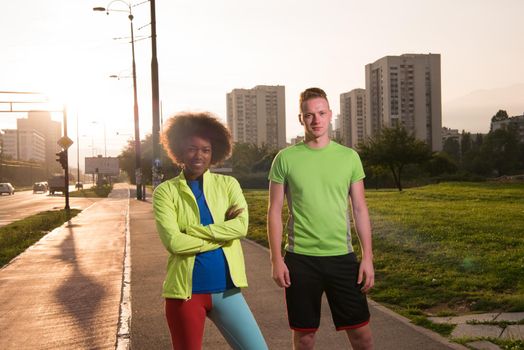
<point x="102" y="165"/>
<point x="64" y="142"/>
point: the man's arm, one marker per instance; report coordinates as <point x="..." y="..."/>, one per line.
<point x="363" y="227"/>
<point x="279" y="272"/>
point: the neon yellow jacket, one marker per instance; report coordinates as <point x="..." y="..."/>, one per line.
<point x="178" y="224"/>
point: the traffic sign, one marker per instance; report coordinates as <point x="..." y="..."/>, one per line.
<point x="64" y="142"/>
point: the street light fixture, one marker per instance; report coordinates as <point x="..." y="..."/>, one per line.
<point x="138" y="167"/>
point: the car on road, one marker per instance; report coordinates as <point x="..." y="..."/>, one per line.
<point x="6" y="187"/>
<point x="57" y="184"/>
<point x="40" y="187"/>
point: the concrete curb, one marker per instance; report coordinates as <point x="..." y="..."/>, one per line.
<point x="419" y="329"/>
<point x="124" y="320"/>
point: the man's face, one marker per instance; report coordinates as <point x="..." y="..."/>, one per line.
<point x="316" y="117"/>
<point x="197" y="156"/>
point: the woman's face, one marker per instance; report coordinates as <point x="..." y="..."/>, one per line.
<point x="196" y="157"/>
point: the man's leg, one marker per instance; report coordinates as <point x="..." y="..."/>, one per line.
<point x="360" y="338"/>
<point x="347" y="303"/>
<point x="303" y="299"/>
<point x="303" y="340"/>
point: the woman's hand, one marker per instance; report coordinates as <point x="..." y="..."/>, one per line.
<point x="233" y="212"/>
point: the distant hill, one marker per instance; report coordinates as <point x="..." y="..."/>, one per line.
<point x="473" y="112"/>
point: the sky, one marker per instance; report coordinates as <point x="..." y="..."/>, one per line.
<point x="206" y="48"/>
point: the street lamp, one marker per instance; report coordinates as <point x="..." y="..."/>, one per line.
<point x="157" y="165"/>
<point x="138" y="167"/>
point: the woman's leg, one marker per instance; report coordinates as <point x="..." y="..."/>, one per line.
<point x="186" y="319"/>
<point x="234" y="319"/>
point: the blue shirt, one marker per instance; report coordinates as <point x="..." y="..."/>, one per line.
<point x="211" y="272"/>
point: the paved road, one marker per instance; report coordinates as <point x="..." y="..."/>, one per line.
<point x="149" y="330"/>
<point x="25" y="203"/>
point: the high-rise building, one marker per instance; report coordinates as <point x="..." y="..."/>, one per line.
<point x="353" y="117"/>
<point x="405" y="91"/>
<point x="26" y="145"/>
<point x="10" y="144"/>
<point x="258" y="115"/>
<point x="448" y="133"/>
<point x="51" y="130"/>
<point x="297" y="139"/>
<point x="337" y="128"/>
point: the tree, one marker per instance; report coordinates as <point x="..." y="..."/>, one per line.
<point x="376" y="174"/>
<point x="452" y="147"/>
<point x="246" y="155"/>
<point x="441" y="163"/>
<point x="465" y="143"/>
<point x="501" y="150"/>
<point x="394" y="148"/>
<point x="264" y="164"/>
<point x="500" y="115"/>
<point x="127" y="161"/>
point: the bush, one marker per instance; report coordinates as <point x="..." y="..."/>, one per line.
<point x="252" y="180"/>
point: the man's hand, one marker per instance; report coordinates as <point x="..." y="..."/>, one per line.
<point x="366" y="273"/>
<point x="280" y="273"/>
<point x="233" y="212"/>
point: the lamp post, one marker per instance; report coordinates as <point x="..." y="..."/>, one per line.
<point x="157" y="165"/>
<point x="138" y="167"/>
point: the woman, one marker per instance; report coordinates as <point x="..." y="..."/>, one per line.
<point x="200" y="217"/>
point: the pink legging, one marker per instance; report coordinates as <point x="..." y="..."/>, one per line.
<point x="186" y="320"/>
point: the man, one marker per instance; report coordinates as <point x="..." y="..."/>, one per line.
<point x="316" y="176"/>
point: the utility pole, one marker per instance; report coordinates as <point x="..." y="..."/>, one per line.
<point x="157" y="164"/>
<point x="66" y="175"/>
<point x="1" y="157"/>
<point x="78" y="151"/>
<point x="138" y="166"/>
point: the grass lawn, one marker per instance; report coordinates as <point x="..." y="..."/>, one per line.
<point x="18" y="236"/>
<point x="441" y="249"/>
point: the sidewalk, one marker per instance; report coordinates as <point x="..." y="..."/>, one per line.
<point x="64" y="291"/>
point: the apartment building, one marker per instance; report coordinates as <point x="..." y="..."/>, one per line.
<point x="41" y="122"/>
<point x="258" y="115"/>
<point x="28" y="145"/>
<point x="405" y="91"/>
<point x="448" y="133"/>
<point x="353" y="117"/>
<point x="10" y="143"/>
<point x="336" y="128"/>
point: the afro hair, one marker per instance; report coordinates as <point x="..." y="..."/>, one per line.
<point x="183" y="125"/>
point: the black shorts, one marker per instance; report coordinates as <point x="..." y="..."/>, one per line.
<point x="311" y="276"/>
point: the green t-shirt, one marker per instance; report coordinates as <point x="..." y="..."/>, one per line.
<point x="317" y="183"/>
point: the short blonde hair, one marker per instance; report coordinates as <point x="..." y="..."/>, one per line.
<point x="310" y="94"/>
